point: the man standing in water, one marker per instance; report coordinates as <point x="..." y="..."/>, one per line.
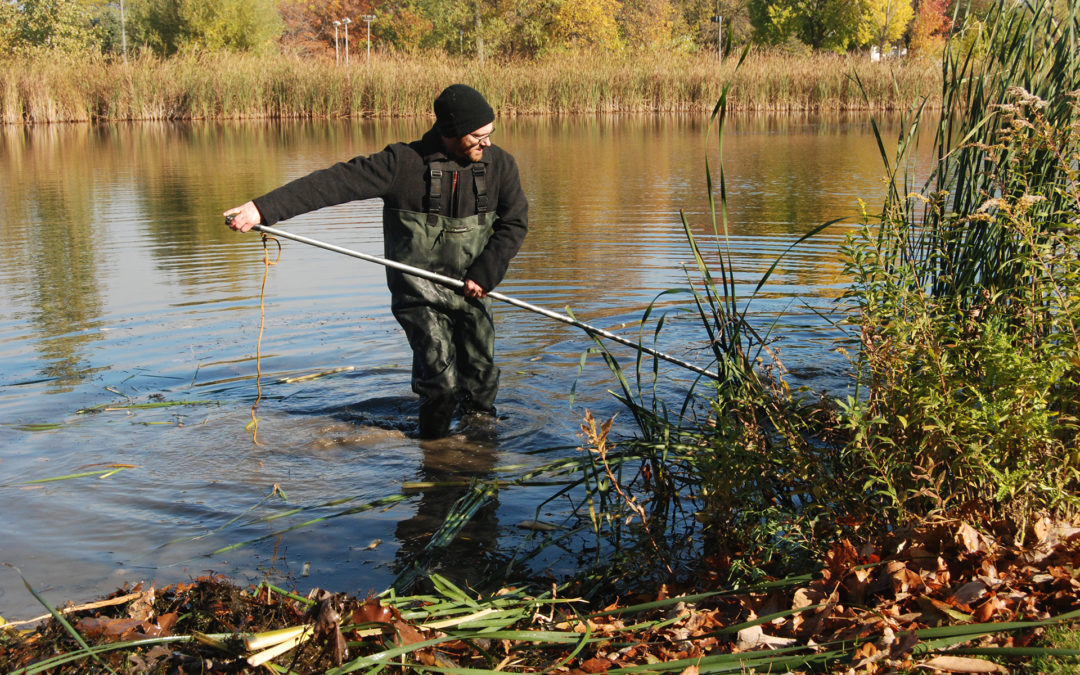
<point x="452" y="204"/>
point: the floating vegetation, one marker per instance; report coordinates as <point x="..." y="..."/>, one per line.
<point x="378" y="503"/>
<point x="109" y="470"/>
<point x="107" y="407"/>
<point x="42" y="426"/>
<point x="315" y="376"/>
<point x="275" y="491"/>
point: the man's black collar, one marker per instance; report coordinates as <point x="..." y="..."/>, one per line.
<point x="432" y="150"/>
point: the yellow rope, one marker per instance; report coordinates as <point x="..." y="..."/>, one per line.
<point x="254" y="424"/>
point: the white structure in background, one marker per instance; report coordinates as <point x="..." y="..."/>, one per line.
<point x="337" y="54"/>
<point x="368" y="18"/>
<point x="893" y="53"/>
<point x="346" y="21"/>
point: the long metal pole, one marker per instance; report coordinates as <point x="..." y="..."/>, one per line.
<point x="456" y="283"/>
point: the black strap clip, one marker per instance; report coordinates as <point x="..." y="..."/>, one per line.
<point x="479" y="172"/>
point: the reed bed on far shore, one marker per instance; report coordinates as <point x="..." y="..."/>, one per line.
<point x="52" y="87"/>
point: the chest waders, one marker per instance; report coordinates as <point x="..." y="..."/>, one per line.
<point x="452" y="337"/>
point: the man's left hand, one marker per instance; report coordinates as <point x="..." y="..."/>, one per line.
<point x="473" y="290"/>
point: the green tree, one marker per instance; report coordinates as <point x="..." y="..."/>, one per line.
<point x="169" y="26"/>
<point x="486" y="27"/>
<point x="62" y="25"/>
<point x="822" y="24"/>
<point x="105" y="18"/>
<point x="774" y="21"/>
<point x="701" y="30"/>
<point x="532" y="26"/>
<point x="831" y="24"/>
<point x="475" y="27"/>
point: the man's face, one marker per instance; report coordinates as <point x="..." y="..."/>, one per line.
<point x="470" y="146"/>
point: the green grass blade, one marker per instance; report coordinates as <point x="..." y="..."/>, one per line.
<point x="380" y="659"/>
<point x="87" y="651"/>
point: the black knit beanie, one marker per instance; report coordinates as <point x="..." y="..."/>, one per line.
<point x="461" y="110"/>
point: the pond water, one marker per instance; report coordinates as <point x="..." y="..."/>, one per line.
<point x="120" y="285"/>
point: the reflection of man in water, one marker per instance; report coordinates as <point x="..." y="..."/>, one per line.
<point x="451" y="465"/>
<point x="452" y="204"/>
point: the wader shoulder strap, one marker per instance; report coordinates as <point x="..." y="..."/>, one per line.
<point x="434" y="195"/>
<point x="479" y="172"/>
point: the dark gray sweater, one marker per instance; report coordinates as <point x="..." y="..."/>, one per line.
<point x="398" y="174"/>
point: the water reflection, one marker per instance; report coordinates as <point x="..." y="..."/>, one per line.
<point x="51" y="239"/>
<point x="606" y="194"/>
<point x="450" y="473"/>
<point x="121" y="281"/>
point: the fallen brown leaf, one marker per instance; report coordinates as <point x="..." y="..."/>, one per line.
<point x="406" y="634"/>
<point x="969" y="593"/>
<point x="596" y="665"/>
<point x="961" y="664"/>
<point x="973" y="541"/>
<point x="988" y="609"/>
<point x="93" y="627"/>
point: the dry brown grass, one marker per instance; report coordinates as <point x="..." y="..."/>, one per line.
<point x="82" y="88"/>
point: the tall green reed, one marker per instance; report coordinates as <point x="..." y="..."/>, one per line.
<point x="1030" y="50"/>
<point x="966" y="289"/>
<point x="737" y="475"/>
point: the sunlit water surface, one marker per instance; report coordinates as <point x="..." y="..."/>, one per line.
<point x="121" y="285"/>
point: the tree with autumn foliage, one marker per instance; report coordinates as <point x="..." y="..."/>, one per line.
<point x="930" y="27"/>
<point x="561" y="25"/>
<point x="885" y="21"/>
<point x="309" y="25"/>
<point x="586" y="24"/>
<point x="649" y="24"/>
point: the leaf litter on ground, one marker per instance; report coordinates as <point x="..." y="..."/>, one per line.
<point x="943" y="597"/>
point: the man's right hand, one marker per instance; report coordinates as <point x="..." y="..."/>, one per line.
<point x="244" y="217"/>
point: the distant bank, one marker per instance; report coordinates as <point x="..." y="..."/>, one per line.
<point x="64" y="88"/>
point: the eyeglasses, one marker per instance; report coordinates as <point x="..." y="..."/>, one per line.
<point x="477" y="140"/>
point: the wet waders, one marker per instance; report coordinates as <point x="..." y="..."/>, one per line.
<point x="452" y="337"/>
